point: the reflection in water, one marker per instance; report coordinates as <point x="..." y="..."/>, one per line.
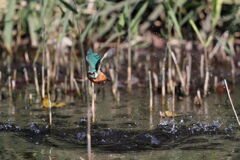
<point x="90" y="118"/>
<point x="132" y="113"/>
<point x="11" y="108"/>
<point x="50" y="151"/>
<point x="151" y="119"/>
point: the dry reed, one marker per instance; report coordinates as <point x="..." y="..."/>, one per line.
<point x="150" y="90"/>
<point x="230" y="99"/>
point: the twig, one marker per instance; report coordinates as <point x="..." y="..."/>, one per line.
<point x="230" y="99"/>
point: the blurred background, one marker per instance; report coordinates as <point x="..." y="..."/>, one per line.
<point x="166" y="60"/>
<point x="203" y="36"/>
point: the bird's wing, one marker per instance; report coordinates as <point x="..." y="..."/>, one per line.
<point x="93" y="60"/>
<point x="109" y="52"/>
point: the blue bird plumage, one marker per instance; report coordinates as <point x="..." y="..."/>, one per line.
<point x="94" y="61"/>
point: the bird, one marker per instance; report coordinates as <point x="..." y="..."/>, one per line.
<point x="94" y="73"/>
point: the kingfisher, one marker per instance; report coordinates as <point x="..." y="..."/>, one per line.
<point x="94" y="73"/>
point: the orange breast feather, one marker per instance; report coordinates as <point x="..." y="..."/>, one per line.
<point x="100" y="79"/>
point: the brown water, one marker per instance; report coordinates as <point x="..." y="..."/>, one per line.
<point x="131" y="114"/>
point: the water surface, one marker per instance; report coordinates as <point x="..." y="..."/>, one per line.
<point x="132" y="113"/>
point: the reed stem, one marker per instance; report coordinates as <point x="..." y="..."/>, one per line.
<point x="233" y="69"/>
<point x="89" y="145"/>
<point x="215" y="82"/>
<point x="230" y="99"/>
<point x="202" y="66"/>
<point x="76" y="86"/>
<point x="49" y="73"/>
<point x="50" y="110"/>
<point x="10" y="86"/>
<point x="163" y="78"/>
<point x="199" y="97"/>
<point x="206" y="83"/>
<point x="14" y="79"/>
<point x="189" y="70"/>
<point x="178" y="68"/>
<point x="43" y="82"/>
<point x="26" y="75"/>
<point x="150" y="90"/>
<point x="36" y="80"/>
<point x="93" y="103"/>
<point x="129" y="69"/>
<point x="170" y="81"/>
<point x="155" y="80"/>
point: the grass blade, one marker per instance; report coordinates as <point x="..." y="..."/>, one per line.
<point x="175" y="22"/>
<point x="69" y="6"/>
<point x="173" y="18"/>
<point x="32" y="24"/>
<point x="138" y="16"/>
<point x="197" y="31"/>
<point x="209" y="40"/>
<point x="89" y="26"/>
<point x="216" y="12"/>
<point x="65" y="25"/>
<point x="8" y="24"/>
<point x="107" y="27"/>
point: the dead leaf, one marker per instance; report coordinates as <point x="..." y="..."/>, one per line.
<point x="46" y="103"/>
<point x="170" y="114"/>
<point x="167" y="114"/>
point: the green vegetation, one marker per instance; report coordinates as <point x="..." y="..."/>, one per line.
<point x="105" y="20"/>
<point x="176" y="48"/>
<point x="46" y="28"/>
